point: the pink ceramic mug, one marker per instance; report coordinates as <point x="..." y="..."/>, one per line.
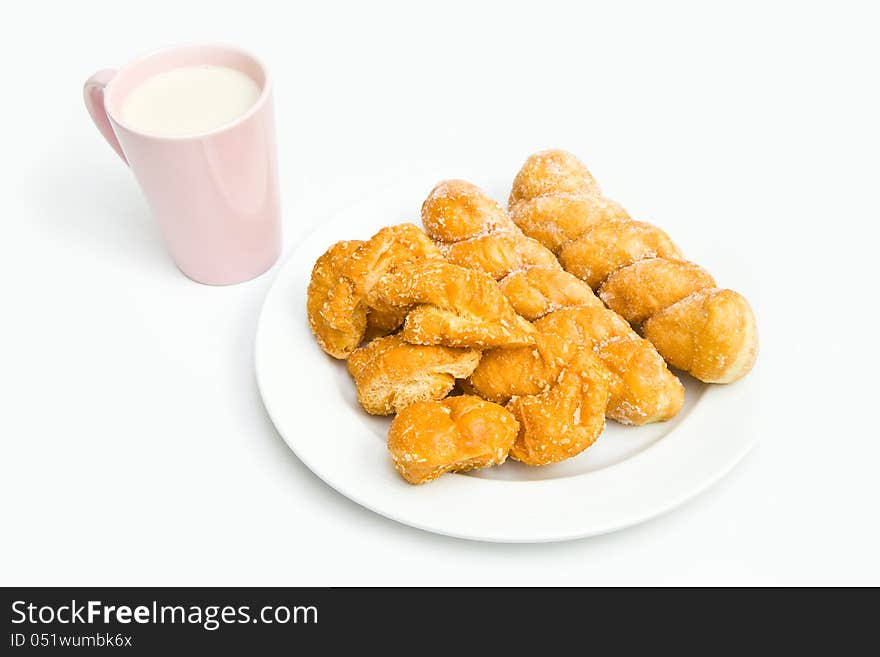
<point x="215" y="194"/>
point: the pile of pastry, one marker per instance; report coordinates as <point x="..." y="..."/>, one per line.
<point x="495" y="333"/>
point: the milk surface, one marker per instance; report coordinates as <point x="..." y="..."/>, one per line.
<point x="189" y="100"/>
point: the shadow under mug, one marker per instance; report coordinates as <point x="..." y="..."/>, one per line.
<point x="214" y="194"/>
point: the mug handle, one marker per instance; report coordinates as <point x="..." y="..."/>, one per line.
<point x="93" y="94"/>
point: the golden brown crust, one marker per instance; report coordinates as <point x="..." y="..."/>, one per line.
<point x="604" y="248"/>
<point x="567" y="418"/>
<point x="454" y="306"/>
<point x="430" y="438"/>
<point x="473" y="230"/>
<point x="641" y="387"/>
<point x="499" y="254"/>
<point x="556" y="201"/>
<point x="391" y="374"/>
<point x="505" y="373"/>
<point x="643" y="288"/>
<point x="438" y="305"/>
<point x="336" y="315"/>
<point x="558" y="219"/>
<point x="711" y="334"/>
<point x="538" y="291"/>
<point x="457" y="210"/>
<point x="586" y="325"/>
<point x="344" y="276"/>
<point x="552" y="171"/>
<point x="391" y="247"/>
<point x="383" y="321"/>
<point x="432" y="325"/>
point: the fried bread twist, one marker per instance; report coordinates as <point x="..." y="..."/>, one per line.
<point x="451" y="306"/>
<point x="345" y="275"/>
<point x="399" y="276"/>
<point x="474" y="231"/>
<point x="336" y="316"/>
<point x="430" y="438"/>
<point x="642" y="389"/>
<point x="390" y="374"/>
<point x="567" y="417"/>
<point x="636" y="269"/>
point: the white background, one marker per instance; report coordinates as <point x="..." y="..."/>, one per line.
<point x="135" y="446"/>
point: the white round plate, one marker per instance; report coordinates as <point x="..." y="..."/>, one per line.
<point x="630" y="475"/>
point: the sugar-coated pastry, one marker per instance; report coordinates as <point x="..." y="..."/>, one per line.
<point x="451" y="306"/>
<point x="383" y="321"/>
<point x="399" y="277"/>
<point x="473" y="230"/>
<point x="557" y="220"/>
<point x="537" y="291"/>
<point x="344" y="276"/>
<point x="390" y="374"/>
<point x="552" y="171"/>
<point x="604" y="248"/>
<point x="638" y="270"/>
<point x="551" y="316"/>
<point x="641" y="387"/>
<point x="336" y="315"/>
<point x="389" y="248"/>
<point x="566" y="418"/>
<point x="505" y="373"/>
<point x="499" y="254"/>
<point x="710" y="333"/>
<point x="639" y="290"/>
<point x="430" y="438"/>
<point x="456" y="210"/>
